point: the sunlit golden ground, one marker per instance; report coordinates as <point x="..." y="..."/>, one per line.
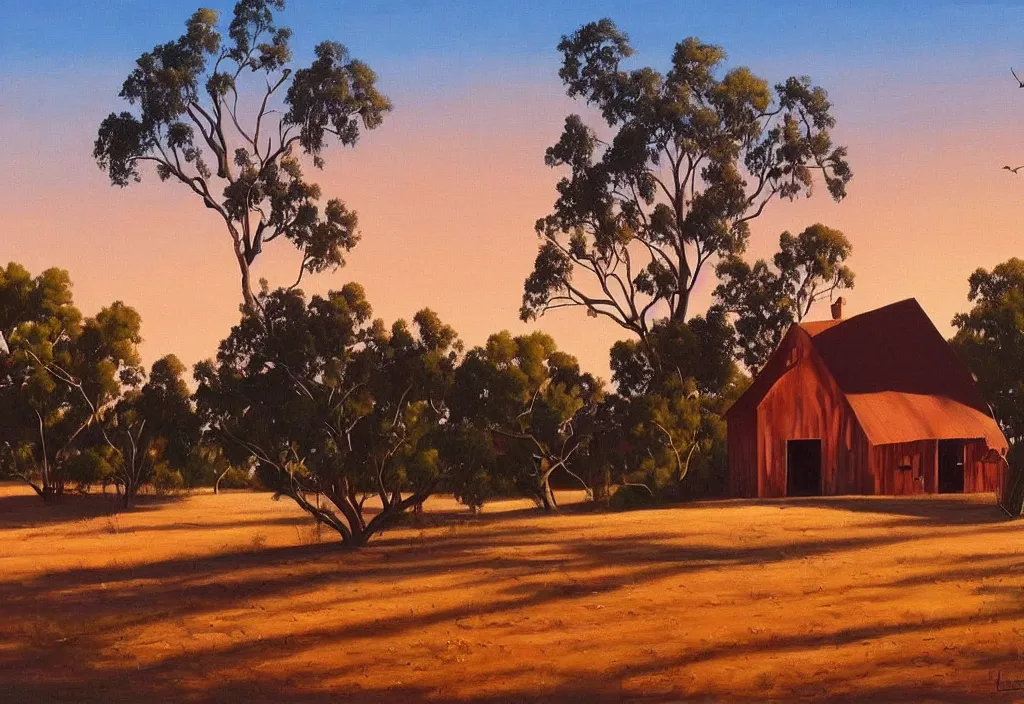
<point x="230" y="598"/>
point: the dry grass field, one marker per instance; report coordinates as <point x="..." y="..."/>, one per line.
<point x="232" y="598"/>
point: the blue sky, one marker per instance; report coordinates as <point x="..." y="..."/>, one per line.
<point x="463" y="36"/>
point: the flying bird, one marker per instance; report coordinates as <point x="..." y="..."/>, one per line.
<point x="1017" y="77"/>
<point x="1014" y="170"/>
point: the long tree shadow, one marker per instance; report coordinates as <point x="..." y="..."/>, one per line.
<point x="81" y="612"/>
<point x="945" y="510"/>
<point x="29" y="510"/>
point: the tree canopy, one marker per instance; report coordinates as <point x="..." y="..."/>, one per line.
<point x="990" y="339"/>
<point x="523" y="389"/>
<point x="150" y="429"/>
<point x="693" y="155"/>
<point x="62" y="374"/>
<point x="328" y="401"/>
<point x="808" y="268"/>
<point x="186" y="119"/>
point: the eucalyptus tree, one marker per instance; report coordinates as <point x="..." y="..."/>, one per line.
<point x="526" y="391"/>
<point x="684" y="162"/>
<point x="60" y="376"/>
<point x="990" y="339"/>
<point x="328" y="401"/>
<point x="667" y="415"/>
<point x="809" y="267"/>
<point x="149" y="426"/>
<point x="188" y="118"/>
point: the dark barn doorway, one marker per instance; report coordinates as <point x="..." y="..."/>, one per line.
<point x="803" y="468"/>
<point x="951" y="466"/>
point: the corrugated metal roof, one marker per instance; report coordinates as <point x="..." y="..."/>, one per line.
<point x="902" y="378"/>
<point x="890" y="417"/>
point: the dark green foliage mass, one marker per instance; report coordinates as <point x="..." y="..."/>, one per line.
<point x="990" y="339"/>
<point x="326" y="400"/>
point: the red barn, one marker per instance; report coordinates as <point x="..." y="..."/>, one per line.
<point x="875" y="404"/>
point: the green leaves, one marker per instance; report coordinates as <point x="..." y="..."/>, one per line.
<point x="535" y="398"/>
<point x="990" y="339"/>
<point x="186" y="119"/>
<point x="326" y="399"/>
<point x="694" y="155"/>
<point x="334" y="95"/>
<point x="808" y="268"/>
<point x="61" y="375"/>
<point x="122" y="142"/>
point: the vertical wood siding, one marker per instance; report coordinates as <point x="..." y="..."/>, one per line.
<point x="980" y="476"/>
<point x="806" y="404"/>
<point x="742" y="446"/>
<point x="923" y="476"/>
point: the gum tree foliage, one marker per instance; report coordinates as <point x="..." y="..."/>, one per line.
<point x="477" y="464"/>
<point x="808" y="268"/>
<point x="328" y="402"/>
<point x="533" y="396"/>
<point x="691" y="156"/>
<point x="61" y="375"/>
<point x="990" y="339"/>
<point x="188" y="117"/>
<point x="150" y="430"/>
<point x="664" y="434"/>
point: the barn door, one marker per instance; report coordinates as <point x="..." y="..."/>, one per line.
<point x="803" y="468"/>
<point x="951" y="466"/>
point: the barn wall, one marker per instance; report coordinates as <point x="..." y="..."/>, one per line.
<point x="923" y="476"/>
<point x="742" y="445"/>
<point x="980" y="476"/>
<point x="806" y="404"/>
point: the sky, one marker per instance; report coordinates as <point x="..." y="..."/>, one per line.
<point x="448" y="189"/>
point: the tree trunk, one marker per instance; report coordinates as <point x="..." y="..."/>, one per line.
<point x="243" y="266"/>
<point x="547" y="495"/>
<point x="216" y="484"/>
<point x="128" y="498"/>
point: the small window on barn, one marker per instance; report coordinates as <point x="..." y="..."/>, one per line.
<point x="906" y="463"/>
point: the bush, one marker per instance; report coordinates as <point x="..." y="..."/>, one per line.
<point x="626" y="498"/>
<point x="167" y="480"/>
<point x="236" y="478"/>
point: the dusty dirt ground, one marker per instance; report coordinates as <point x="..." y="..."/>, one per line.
<point x="230" y="598"/>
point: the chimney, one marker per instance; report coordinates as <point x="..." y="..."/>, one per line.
<point x="837" y="308"/>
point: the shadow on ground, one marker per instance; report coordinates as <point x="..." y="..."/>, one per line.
<point x="69" y="630"/>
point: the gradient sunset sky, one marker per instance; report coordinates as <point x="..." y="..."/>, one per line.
<point x="449" y="188"/>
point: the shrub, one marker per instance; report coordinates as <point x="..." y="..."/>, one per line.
<point x="236" y="478"/>
<point x="167" y="480"/>
<point x="629" y="497"/>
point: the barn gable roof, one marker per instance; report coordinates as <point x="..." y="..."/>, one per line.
<point x="902" y="379"/>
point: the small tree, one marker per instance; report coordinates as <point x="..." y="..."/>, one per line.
<point x="526" y="391"/>
<point x="808" y="268"/>
<point x="990" y="339"/>
<point x="60" y="377"/>
<point x="152" y="426"/>
<point x="667" y="416"/>
<point x="328" y="402"/>
<point x="246" y="168"/>
<point x="474" y="474"/>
